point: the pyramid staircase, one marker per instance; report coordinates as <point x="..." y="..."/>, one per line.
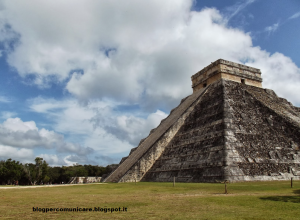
<point x="154" y="136"/>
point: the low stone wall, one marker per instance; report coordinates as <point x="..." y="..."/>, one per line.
<point x="89" y="179"/>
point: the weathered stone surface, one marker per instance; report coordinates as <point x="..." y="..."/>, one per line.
<point x="196" y="153"/>
<point x="88" y="179"/>
<point x="271" y="136"/>
<point x="226" y="131"/>
<point x="223" y="69"/>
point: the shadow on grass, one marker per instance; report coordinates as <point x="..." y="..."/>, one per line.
<point x="294" y="199"/>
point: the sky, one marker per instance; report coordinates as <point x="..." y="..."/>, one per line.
<point x="83" y="81"/>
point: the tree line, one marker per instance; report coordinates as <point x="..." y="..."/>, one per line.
<point x="14" y="172"/>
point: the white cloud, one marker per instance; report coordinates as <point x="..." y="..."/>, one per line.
<point x="4" y="99"/>
<point x="271" y="29"/>
<point x="237" y="8"/>
<point x="111" y="53"/>
<point x="296" y="15"/>
<point x="279" y="73"/>
<point x="52" y="159"/>
<point x="16" y="124"/>
<point x="128" y="127"/>
<point x="70" y="116"/>
<point x="15" y="132"/>
<point x="135" y="52"/>
<point x="22" y="154"/>
<point x="18" y="136"/>
<point x="6" y="114"/>
<point x="98" y="124"/>
<point x="50" y="106"/>
<point x="69" y="160"/>
<point x="73" y="159"/>
<point x="111" y="133"/>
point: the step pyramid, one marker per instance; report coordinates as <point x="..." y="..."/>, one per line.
<point x="228" y="129"/>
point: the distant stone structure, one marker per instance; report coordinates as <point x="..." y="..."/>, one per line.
<point x="230" y="128"/>
<point x="88" y="179"/>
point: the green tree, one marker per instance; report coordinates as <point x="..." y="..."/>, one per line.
<point x="37" y="172"/>
<point x="55" y="174"/>
<point x="2" y="170"/>
<point x="45" y="170"/>
<point x="10" y="171"/>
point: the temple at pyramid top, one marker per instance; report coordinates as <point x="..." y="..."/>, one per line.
<point x="223" y="69"/>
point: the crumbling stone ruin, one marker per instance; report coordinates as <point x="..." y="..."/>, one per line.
<point x="83" y="179"/>
<point x="230" y="128"/>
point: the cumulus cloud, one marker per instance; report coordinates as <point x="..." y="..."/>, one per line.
<point x="75" y="148"/>
<point x="279" y="73"/>
<point x="22" y="137"/>
<point x="8" y="37"/>
<point x="100" y="124"/>
<point x="68" y="115"/>
<point x="136" y="52"/>
<point x="69" y="160"/>
<point x="21" y="154"/>
<point x="73" y="159"/>
<point x="106" y="159"/>
<point x="110" y="54"/>
<point x="52" y="159"/>
<point x="15" y="132"/>
<point x="129" y="128"/>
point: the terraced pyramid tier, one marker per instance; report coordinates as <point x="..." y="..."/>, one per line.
<point x="226" y="131"/>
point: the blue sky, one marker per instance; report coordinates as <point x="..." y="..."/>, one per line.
<point x="84" y="81"/>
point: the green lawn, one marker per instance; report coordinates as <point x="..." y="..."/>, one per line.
<point x="252" y="200"/>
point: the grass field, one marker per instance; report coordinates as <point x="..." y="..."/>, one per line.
<point x="252" y="200"/>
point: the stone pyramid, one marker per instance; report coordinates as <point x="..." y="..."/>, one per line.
<point x="230" y="128"/>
